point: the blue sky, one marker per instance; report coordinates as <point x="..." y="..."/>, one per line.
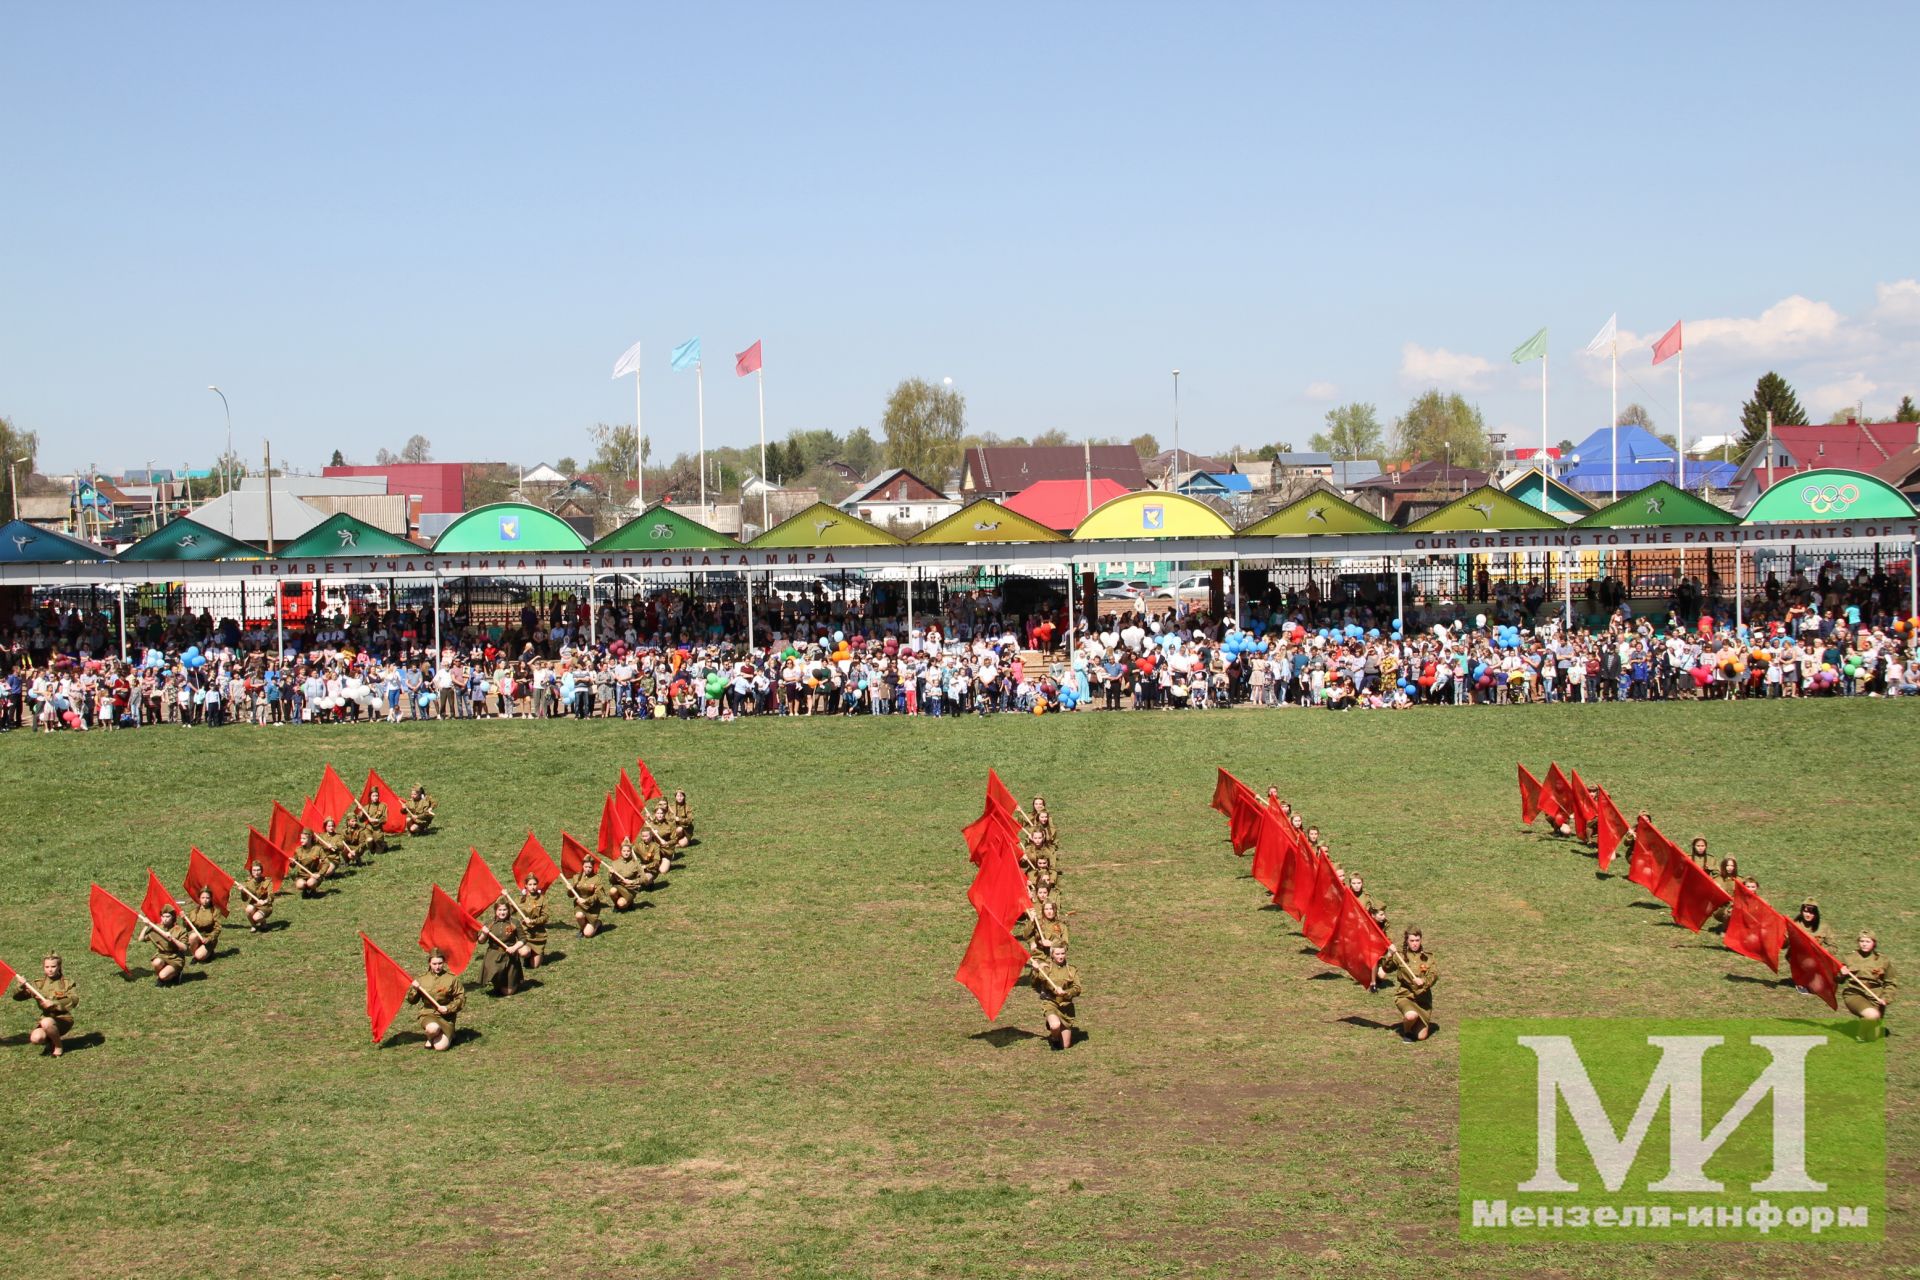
<point x="365" y="222"/>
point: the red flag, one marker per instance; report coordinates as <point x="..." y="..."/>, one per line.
<point x="272" y="858"/>
<point x="1613" y="829"/>
<point x="992" y="965"/>
<point x="1223" y="789"/>
<point x="1650" y="865"/>
<point x="990" y="830"/>
<point x="387" y="986"/>
<point x="573" y="855"/>
<point x="1357" y="944"/>
<point x="284" y="829"/>
<point x="1586" y="813"/>
<point x="7" y="975"/>
<point x="1296" y="874"/>
<point x="1243" y="827"/>
<point x="1270" y="850"/>
<point x="533" y="860"/>
<point x="203" y="873"/>
<point x="1562" y="792"/>
<point x="113" y="925"/>
<point x="1755" y="929"/>
<point x="157" y="898"/>
<point x="747" y="361"/>
<point x="612" y="832"/>
<point x="998" y="797"/>
<point x="999" y="891"/>
<point x="311" y="819"/>
<point x="377" y="787"/>
<point x="1696" y="896"/>
<point x="649" y="786"/>
<point x="1668" y="346"/>
<point x="1325" y="900"/>
<point x="333" y="799"/>
<point x="449" y="928"/>
<point x="1811" y="965"/>
<point x="632" y="818"/>
<point x="1529" y="796"/>
<point x="479" y="889"/>
<point x="624" y="789"/>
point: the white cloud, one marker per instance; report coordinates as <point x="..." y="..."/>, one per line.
<point x="1842" y="393"/>
<point x="1898" y="302"/>
<point x="1321" y="391"/>
<point x="1788" y="327"/>
<point x="1442" y="367"/>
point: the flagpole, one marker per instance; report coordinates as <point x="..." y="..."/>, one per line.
<point x="639" y="449"/>
<point x="700" y="390"/>
<point x="1543" y="430"/>
<point x="1615" y="417"/>
<point x="1680" y="432"/>
<point x="760" y="378"/>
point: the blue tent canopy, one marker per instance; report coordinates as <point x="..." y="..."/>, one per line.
<point x="1643" y="458"/>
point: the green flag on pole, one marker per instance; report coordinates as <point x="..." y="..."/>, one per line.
<point x="1532" y="349"/>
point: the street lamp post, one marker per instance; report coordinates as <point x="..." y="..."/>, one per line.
<point x="1176" y="430"/>
<point x="225" y="462"/>
<point x="13" y="483"/>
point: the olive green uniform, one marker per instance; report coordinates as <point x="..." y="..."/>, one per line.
<point x="334" y="848"/>
<point x="377" y="825"/>
<point x="534" y="907"/>
<point x="500" y="967"/>
<point x="170" y="945"/>
<point x="419" y="815"/>
<point x="1047" y="976"/>
<point x="1416" y="988"/>
<point x="261" y="888"/>
<point x="62" y="999"/>
<point x="630" y="870"/>
<point x="590" y="899"/>
<point x="1874" y="972"/>
<point x="682" y="812"/>
<point x="207" y="921"/>
<point x="447" y="990"/>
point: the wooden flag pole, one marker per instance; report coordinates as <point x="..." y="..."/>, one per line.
<point x="570" y="889"/>
<point x="415" y="983"/>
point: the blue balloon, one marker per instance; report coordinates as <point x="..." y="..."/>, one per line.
<point x="1373" y="633"/>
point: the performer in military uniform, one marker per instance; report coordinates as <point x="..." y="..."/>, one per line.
<point x="1728" y="876"/>
<point x="419" y="811"/>
<point x="1873" y="971"/>
<point x="682" y="819"/>
<point x="1700" y="856"/>
<point x="376" y="816"/>
<point x="1042" y="875"/>
<point x="1412" y="967"/>
<point x="206" y="925"/>
<point x="333" y="845"/>
<point x="1041" y="928"/>
<point x="1058" y="985"/>
<point x="438" y="987"/>
<point x="503" y="965"/>
<point x="259" y="895"/>
<point x="311" y="855"/>
<point x="355" y="838"/>
<point x="533" y="905"/>
<point x="57" y="998"/>
<point x="170" y="948"/>
<point x="624" y="876"/>
<point x="587" y="898"/>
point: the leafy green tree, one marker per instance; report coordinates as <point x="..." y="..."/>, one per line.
<point x="924" y="425"/>
<point x="1145" y="444"/>
<point x="1053" y="438"/>
<point x="862" y="451"/>
<point x="807" y="449"/>
<point x="1353" y="432"/>
<point x="1770" y="394"/>
<point x="568" y="466"/>
<point x="1436" y="419"/>
<point x="339" y="459"/>
<point x="16" y="447"/>
<point x="1907" y="412"/>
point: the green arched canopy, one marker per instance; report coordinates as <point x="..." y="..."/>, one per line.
<point x="508" y="528"/>
<point x="1829" y="493"/>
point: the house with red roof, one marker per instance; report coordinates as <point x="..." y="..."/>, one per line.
<point x="1851" y="445"/>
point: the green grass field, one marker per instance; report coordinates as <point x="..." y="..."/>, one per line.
<point x="771" y="1072"/>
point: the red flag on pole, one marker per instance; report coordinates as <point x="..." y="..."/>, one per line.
<point x="113" y="925"/>
<point x="1812" y="965"/>
<point x="387" y="986"/>
<point x="449" y="928"/>
<point x="631" y="817"/>
<point x="990" y="830"/>
<point x="1243" y="827"/>
<point x="1324" y="902"/>
<point x="625" y="790"/>
<point x="204" y="873"/>
<point x="1562" y="792"/>
<point x="747" y="361"/>
<point x="311" y="819"/>
<point x="1696" y="896"/>
<point x="7" y="975"/>
<point x="1652" y="857"/>
<point x="1296" y="874"/>
<point x="271" y="857"/>
<point x="1669" y="345"/>
<point x="1585" y="813"/>
<point x="1613" y="829"/>
<point x="1755" y="929"/>
<point x="992" y="965"/>
<point x="533" y="860"/>
<point x="649" y="786"/>
<point x="377" y="788"/>
<point x="1270" y="850"/>
<point x="283" y="829"/>
<point x="1224" y="785"/>
<point x="332" y="800"/>
<point x="573" y="856"/>
<point x="157" y="899"/>
<point x="999" y="891"/>
<point x="1357" y="944"/>
<point x="998" y="797"/>
<point x="1529" y="796"/>
<point x="479" y="887"/>
<point x="612" y="832"/>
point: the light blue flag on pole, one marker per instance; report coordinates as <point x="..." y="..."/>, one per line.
<point x="686" y="355"/>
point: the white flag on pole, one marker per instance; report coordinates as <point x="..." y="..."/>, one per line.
<point x="629" y="362"/>
<point x="1603" y="341"/>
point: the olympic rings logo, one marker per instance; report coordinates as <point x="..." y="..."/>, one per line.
<point x="1830" y="499"/>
